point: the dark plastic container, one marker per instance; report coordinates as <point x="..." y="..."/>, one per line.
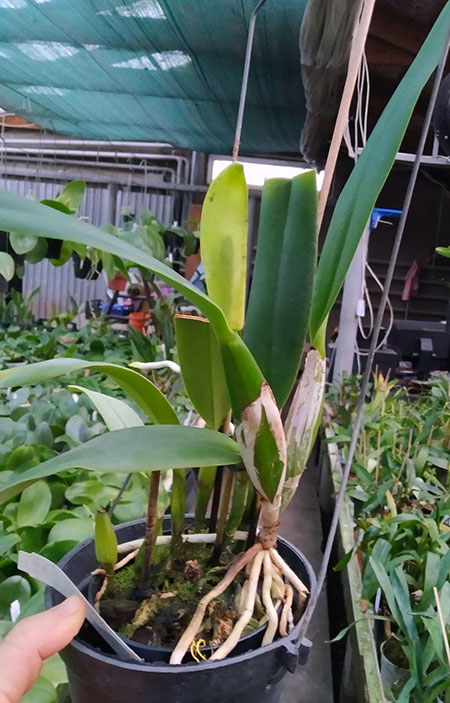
<point x="85" y="269"/>
<point x="254" y="676"/>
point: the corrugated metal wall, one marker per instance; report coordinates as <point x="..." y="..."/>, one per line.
<point x="58" y="285"/>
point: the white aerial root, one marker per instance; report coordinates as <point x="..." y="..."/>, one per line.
<point x="197" y="619"/>
<point x="235" y="635"/>
<point x="278" y="582"/>
<point x="287" y="608"/>
<point x="291" y="576"/>
<point x="257" y="559"/>
<point x="267" y="600"/>
<point x="243" y="597"/>
<point x="100" y="593"/>
<point x="120" y="564"/>
<point x="164" y="540"/>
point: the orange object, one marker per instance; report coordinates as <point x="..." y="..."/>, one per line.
<point x="118" y="283"/>
<point x="138" y="320"/>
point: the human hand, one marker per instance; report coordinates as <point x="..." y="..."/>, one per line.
<point x="32" y="640"/>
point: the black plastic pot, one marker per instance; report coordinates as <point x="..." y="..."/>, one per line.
<point x="54" y="248"/>
<point x="85" y="269"/>
<point x="254" y="676"/>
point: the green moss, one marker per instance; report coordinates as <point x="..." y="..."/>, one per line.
<point x="124" y="582"/>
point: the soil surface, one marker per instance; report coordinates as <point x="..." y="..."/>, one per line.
<point x="159" y="616"/>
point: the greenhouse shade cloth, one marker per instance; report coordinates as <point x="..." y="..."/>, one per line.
<point x="154" y="70"/>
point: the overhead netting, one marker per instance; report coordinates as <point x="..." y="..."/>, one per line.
<point x="154" y="70"/>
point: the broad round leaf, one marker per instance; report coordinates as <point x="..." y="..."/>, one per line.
<point x="22" y="243"/>
<point x="34" y="505"/>
<point x="43" y="691"/>
<point x="11" y="589"/>
<point x="73" y="529"/>
<point x="6" y="265"/>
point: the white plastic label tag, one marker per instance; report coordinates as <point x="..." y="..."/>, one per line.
<point x="44" y="570"/>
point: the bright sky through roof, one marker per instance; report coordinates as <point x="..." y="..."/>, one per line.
<point x="256" y="173"/>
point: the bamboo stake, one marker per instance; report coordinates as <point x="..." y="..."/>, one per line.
<point x="165" y="540"/>
<point x="356" y="54"/>
<point x="441" y="620"/>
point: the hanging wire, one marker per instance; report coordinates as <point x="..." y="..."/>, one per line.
<point x="245" y="74"/>
<point x="312" y="603"/>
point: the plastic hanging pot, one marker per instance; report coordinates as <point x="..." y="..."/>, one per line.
<point x="392" y="676"/>
<point x="54" y="248"/>
<point x="254" y="675"/>
<point x="118" y="283"/>
<point x="139" y="320"/>
<point x="85" y="268"/>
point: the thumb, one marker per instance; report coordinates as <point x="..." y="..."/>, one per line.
<point x="31" y="641"/>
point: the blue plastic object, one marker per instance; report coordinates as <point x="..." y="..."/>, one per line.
<point x="379" y="212"/>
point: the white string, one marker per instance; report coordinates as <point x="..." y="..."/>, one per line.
<point x="360" y="134"/>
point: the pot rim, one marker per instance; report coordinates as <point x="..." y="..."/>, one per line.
<point x="165" y="668"/>
<point x="382" y="648"/>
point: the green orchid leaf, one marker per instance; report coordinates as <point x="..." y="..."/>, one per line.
<point x="154" y="448"/>
<point x="281" y="292"/>
<point x="202" y="368"/>
<point x="23" y="215"/>
<point x="116" y="413"/>
<point x="139" y="388"/>
<point x="223" y="240"/>
<point x="303" y="422"/>
<point x="443" y="251"/>
<point x="359" y="195"/>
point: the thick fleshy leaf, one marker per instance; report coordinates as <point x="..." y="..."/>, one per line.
<point x="117" y="416"/>
<point x="20" y="214"/>
<point x="116" y="413"/>
<point x="202" y="368"/>
<point x="223" y="240"/>
<point x="242" y="373"/>
<point x="303" y="422"/>
<point x="361" y="190"/>
<point x="158" y="447"/>
<point x="260" y="436"/>
<point x="280" y="296"/>
<point x="24" y="215"/>
<point x="139" y="388"/>
<point x="6" y="265"/>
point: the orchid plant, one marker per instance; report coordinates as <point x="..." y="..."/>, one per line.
<point x="239" y="366"/>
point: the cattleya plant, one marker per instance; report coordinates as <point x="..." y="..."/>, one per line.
<point x="238" y="369"/>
